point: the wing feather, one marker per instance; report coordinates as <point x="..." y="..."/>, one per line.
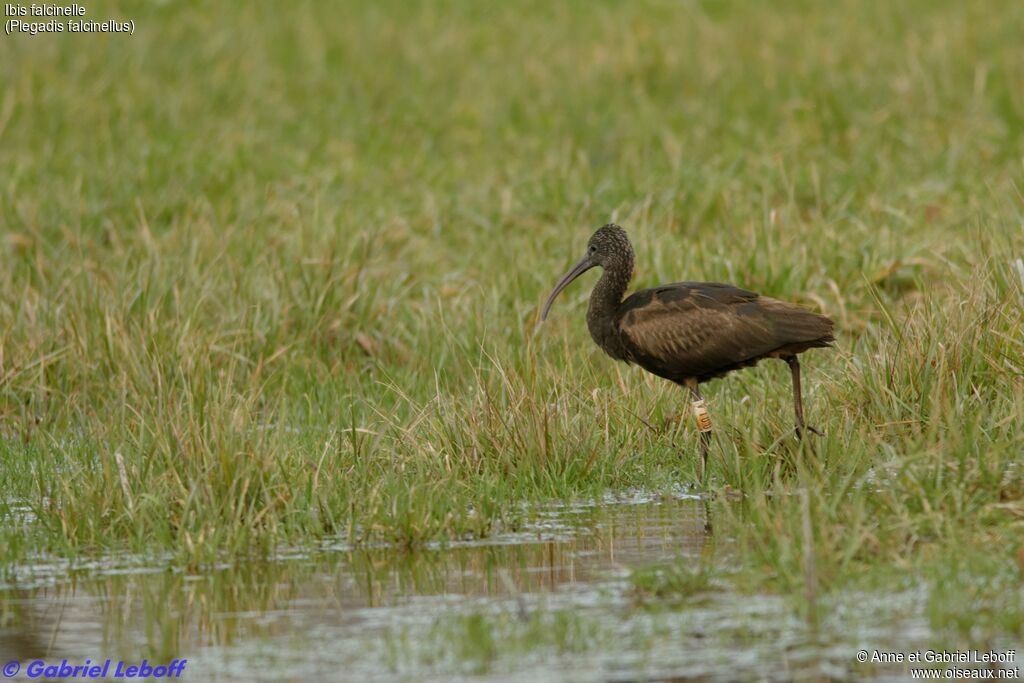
<point x="701" y="329"/>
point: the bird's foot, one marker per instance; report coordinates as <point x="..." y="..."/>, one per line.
<point x="812" y="430"/>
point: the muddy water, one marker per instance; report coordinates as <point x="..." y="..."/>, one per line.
<point x="551" y="602"/>
<point x="351" y="614"/>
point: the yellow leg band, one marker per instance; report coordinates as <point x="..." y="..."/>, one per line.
<point x="703" y="418"/>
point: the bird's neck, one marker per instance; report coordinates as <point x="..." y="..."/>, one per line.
<point x="605" y="299"/>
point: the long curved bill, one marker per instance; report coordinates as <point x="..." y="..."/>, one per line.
<point x="583" y="266"/>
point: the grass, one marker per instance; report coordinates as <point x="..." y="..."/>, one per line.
<point x="270" y="275"/>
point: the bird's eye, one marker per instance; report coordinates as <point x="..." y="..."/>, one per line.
<point x="592" y="249"/>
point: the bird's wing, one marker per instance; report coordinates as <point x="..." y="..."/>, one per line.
<point x="692" y="329"/>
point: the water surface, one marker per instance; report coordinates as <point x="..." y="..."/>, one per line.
<point x="550" y="602"/>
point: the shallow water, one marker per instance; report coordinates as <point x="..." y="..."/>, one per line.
<point x="301" y="614"/>
<point x="550" y="602"/>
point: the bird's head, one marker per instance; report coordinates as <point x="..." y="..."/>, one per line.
<point x="609" y="248"/>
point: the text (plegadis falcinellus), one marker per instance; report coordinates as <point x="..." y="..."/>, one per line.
<point x="690" y="332"/>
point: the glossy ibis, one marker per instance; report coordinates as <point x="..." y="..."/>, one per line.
<point x="690" y="332"/>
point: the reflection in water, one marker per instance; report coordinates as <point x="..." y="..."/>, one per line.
<point x="167" y="614"/>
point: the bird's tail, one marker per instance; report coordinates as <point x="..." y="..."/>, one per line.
<point x="797" y="324"/>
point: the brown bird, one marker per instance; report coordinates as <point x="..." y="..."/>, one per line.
<point x="690" y="332"/>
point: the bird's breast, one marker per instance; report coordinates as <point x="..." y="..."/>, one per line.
<point x="607" y="336"/>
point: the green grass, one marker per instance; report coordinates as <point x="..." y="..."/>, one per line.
<point x="285" y="262"/>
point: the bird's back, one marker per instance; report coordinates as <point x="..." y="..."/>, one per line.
<point x="706" y="329"/>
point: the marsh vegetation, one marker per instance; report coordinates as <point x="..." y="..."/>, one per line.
<point x="270" y="277"/>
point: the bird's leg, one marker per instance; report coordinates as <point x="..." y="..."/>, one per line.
<point x="700" y="412"/>
<point x="798" y="404"/>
